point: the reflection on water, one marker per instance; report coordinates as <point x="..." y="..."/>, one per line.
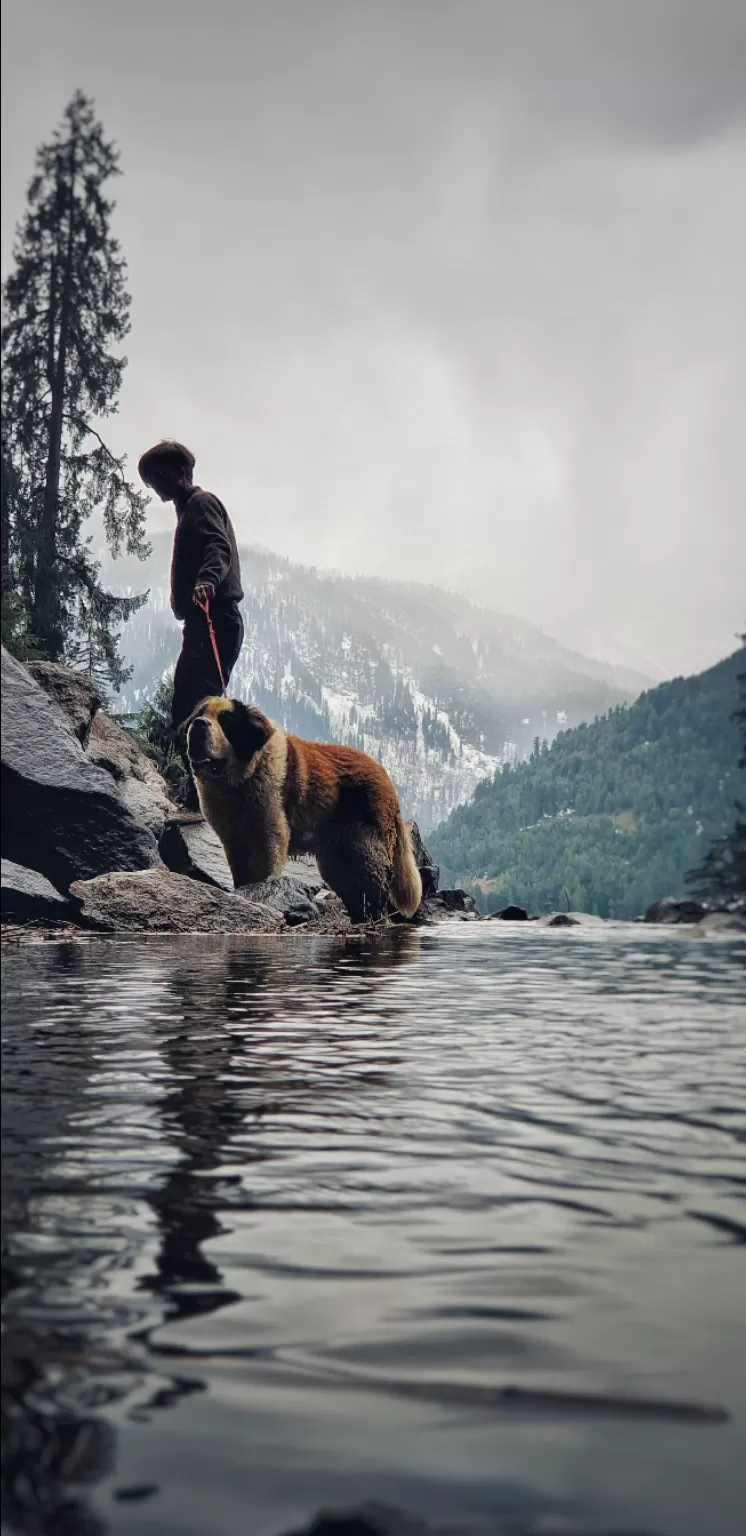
<point x="450" y="1222"/>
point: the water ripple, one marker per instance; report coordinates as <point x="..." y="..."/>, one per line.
<point x="452" y="1219"/>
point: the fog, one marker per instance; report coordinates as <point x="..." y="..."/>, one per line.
<point x="447" y="291"/>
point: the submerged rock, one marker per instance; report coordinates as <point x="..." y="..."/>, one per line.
<point x="159" y="901"/>
<point x="29" y="897"/>
<point x="559" y="920"/>
<point x="510" y="914"/>
<point x="373" y="1520"/>
<point x="723" y="922"/>
<point x="61" y="813"/>
<point x="674" y="909"/>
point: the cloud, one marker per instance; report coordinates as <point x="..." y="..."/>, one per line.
<point x="449" y="291"/>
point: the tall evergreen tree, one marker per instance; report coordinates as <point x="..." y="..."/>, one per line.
<point x="66" y="309"/>
<point x="722" y="874"/>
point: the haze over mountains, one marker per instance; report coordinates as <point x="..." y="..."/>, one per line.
<point x="614" y="814"/>
<point x="440" y="691"/>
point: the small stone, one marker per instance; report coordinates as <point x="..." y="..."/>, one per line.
<point x="674" y="909"/>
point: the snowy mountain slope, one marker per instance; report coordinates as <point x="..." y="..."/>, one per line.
<point x="438" y="690"/>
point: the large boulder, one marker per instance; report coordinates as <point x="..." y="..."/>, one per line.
<point x="158" y="901"/>
<point x="75" y="692"/>
<point x="61" y="813"/>
<point x="142" y="790"/>
<point x="429" y="871"/>
<point x="673" y="909"/>
<point x="189" y="847"/>
<point x="28" y="897"/>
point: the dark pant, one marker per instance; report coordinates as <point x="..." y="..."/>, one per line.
<point x="196" y="676"/>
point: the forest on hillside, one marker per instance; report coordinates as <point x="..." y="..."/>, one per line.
<point x="613" y="814"/>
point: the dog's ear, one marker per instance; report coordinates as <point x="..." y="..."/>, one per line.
<point x="180" y="731"/>
<point x="246" y="728"/>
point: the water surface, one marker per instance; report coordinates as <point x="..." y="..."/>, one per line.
<point x="285" y="1221"/>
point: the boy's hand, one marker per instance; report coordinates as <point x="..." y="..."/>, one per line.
<point x="203" y="592"/>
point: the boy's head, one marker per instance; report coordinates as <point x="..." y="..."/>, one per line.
<point x="167" y="469"/>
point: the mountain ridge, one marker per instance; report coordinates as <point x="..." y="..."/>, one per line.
<point x="437" y="688"/>
<point x="613" y="813"/>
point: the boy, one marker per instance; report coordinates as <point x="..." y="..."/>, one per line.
<point x="204" y="568"/>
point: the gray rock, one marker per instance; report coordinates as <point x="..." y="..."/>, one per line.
<point x="674" y="909"/>
<point x="558" y="920"/>
<point x="372" y="1520"/>
<point x="295" y="900"/>
<point x="61" y="813"/>
<point x="306" y="869"/>
<point x="159" y="901"/>
<point x="28" y="896"/>
<point x="429" y="871"/>
<point x="511" y="914"/>
<point x="434" y="909"/>
<point x="189" y="847"/>
<point x="142" y="789"/>
<point x="75" y="692"/>
<point x="723" y="922"/>
<point x="454" y="901"/>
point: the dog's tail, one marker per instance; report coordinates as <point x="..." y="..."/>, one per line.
<point x="406" y="886"/>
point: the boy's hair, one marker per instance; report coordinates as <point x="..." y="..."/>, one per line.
<point x="166" y="455"/>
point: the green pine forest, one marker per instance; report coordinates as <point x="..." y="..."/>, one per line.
<point x="612" y="815"/>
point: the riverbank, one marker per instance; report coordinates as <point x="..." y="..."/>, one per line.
<point x="92" y="841"/>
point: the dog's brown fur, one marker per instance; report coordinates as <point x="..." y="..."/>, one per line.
<point x="270" y="796"/>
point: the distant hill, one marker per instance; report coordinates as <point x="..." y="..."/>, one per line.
<point x="613" y="813"/>
<point x="442" y="692"/>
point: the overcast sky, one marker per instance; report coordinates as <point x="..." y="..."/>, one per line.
<point x="452" y="291"/>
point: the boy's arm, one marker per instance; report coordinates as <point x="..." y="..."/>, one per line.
<point x="209" y="526"/>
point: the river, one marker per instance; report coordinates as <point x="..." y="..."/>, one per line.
<point x="450" y="1222"/>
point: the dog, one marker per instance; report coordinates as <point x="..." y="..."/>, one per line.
<point x="270" y="795"/>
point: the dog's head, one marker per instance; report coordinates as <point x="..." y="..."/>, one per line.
<point x="222" y="736"/>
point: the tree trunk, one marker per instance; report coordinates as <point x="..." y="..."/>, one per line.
<point x="47" y="605"/>
<point x="5" y="581"/>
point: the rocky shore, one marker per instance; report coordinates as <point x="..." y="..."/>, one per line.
<point x="92" y="841"/>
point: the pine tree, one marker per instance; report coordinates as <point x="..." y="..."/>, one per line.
<point x="722" y="874"/>
<point x="95" y="649"/>
<point x="65" y="309"/>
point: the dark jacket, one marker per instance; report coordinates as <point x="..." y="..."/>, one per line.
<point x="204" y="550"/>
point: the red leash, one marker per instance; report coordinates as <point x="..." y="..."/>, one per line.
<point x="206" y="611"/>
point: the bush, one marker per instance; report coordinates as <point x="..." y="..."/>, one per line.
<point x="155" y="734"/>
